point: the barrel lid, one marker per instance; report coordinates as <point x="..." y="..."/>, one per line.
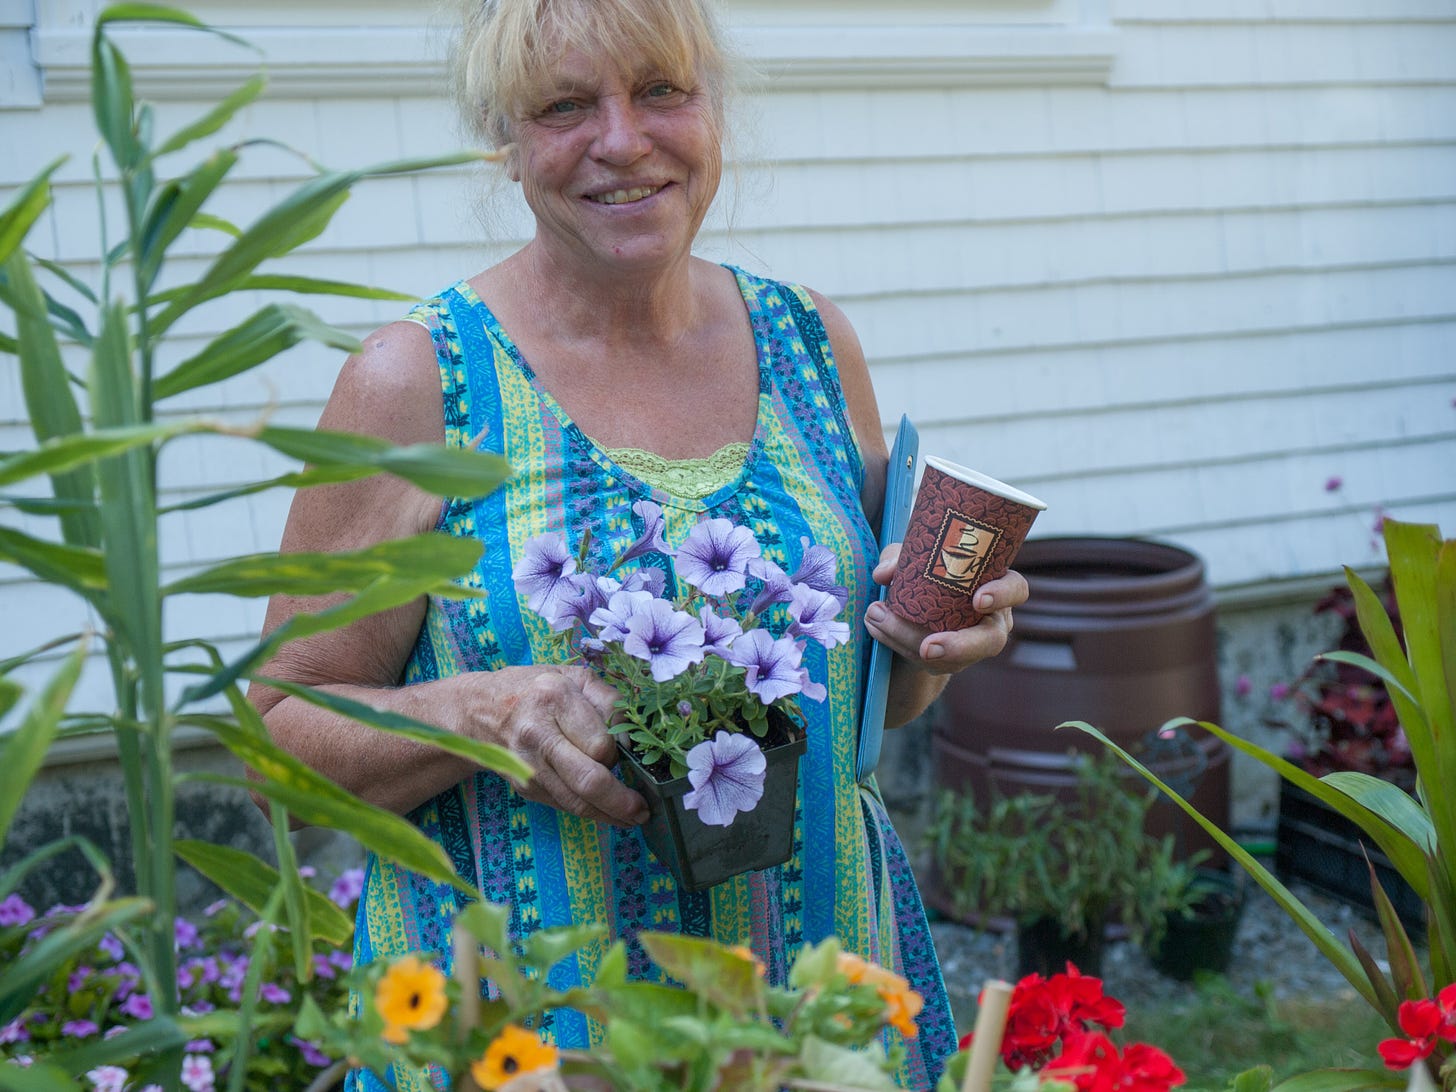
<point x="1100" y="574"/>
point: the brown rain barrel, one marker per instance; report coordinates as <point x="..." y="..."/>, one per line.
<point x="1119" y="633"/>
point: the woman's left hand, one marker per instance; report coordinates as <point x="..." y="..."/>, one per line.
<point x="947" y="652"/>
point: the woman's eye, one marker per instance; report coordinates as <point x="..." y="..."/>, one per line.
<point x="561" y="106"/>
<point x="660" y="90"/>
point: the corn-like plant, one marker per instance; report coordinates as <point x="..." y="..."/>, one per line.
<point x="98" y="437"/>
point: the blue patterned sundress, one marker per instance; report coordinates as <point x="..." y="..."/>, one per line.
<point x="849" y="874"/>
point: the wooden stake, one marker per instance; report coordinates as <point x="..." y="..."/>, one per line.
<point x="986" y="1040"/>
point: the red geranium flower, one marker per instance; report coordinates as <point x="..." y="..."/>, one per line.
<point x="1092" y="1063"/>
<point x="1425" y="1022"/>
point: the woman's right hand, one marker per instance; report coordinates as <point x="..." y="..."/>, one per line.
<point x="555" y="718"/>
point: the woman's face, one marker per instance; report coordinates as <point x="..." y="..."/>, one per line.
<point x="619" y="168"/>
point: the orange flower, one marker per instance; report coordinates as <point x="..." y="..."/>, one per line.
<point x="410" y="996"/>
<point x="902" y="1004"/>
<point x="746" y="953"/>
<point x="513" y="1052"/>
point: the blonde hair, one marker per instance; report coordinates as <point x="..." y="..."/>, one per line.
<point x="507" y="49"/>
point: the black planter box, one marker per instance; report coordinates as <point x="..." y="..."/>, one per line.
<point x="1320" y="846"/>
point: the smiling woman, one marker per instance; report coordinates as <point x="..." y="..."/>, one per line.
<point x="611" y="367"/>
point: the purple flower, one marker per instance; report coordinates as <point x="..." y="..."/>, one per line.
<point x="714" y="557"/>
<point x="727" y="774"/>
<point x="541" y="574"/>
<point x="610" y="621"/>
<point x="137" y="1006"/>
<point x="77" y="979"/>
<point x="14" y="1032"/>
<point x="669" y="640"/>
<point x="79" y="1029"/>
<point x="1279" y="691"/>
<point x="814" y="615"/>
<point x="817" y="568"/>
<point x="651" y="541"/>
<point x="274" y="994"/>
<point x="771" y="666"/>
<point x="15" y="911"/>
<point x="580" y="597"/>
<point x="776" y="584"/>
<point x="1242" y="687"/>
<point x="307" y="871"/>
<point x="114" y="1031"/>
<point x="1333" y="483"/>
<point x="112" y="947"/>
<point x="322" y="968"/>
<point x="107" y="1078"/>
<point x="127" y="979"/>
<point x="342" y="959"/>
<point x="187" y="935"/>
<point x="719" y="633"/>
<point x="197" y="1072"/>
<point x="212" y="909"/>
<point x="310" y="1051"/>
<point x="200" y="1046"/>
<point x="348" y="887"/>
<point x="650" y="580"/>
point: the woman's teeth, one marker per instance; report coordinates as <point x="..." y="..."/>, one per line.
<point x="621" y="197"/>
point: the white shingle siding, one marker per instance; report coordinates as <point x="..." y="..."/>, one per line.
<point x="1169" y="265"/>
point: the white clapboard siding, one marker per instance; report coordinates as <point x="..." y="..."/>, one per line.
<point x="1171" y="265"/>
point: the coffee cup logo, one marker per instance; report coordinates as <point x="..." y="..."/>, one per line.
<point x="963" y="546"/>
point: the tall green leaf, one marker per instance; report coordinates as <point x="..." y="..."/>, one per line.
<point x="25" y="749"/>
<point x="315" y="286"/>
<point x="215" y="118"/>
<point x="251" y="882"/>
<point x="128" y="500"/>
<point x="314" y="799"/>
<point x="25" y="207"/>
<point x="443" y="471"/>
<point x="113" y="101"/>
<point x="295" y="220"/>
<point x="52" y="407"/>
<point x="40" y="1077"/>
<point x="159" y="1033"/>
<point x="487" y="755"/>
<point x="175" y="206"/>
<point x="79" y="568"/>
<point x="260" y="337"/>
<point x="69" y="452"/>
<point x="443" y="557"/>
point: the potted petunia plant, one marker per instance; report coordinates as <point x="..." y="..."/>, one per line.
<point x="709" y="676"/>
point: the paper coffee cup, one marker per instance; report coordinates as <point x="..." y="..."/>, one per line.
<point x="965" y="529"/>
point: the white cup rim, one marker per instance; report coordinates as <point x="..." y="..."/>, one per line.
<point x="984" y="481"/>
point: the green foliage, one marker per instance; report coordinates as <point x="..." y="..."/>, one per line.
<point x="1031" y="856"/>
<point x="93" y="473"/>
<point x="1418" y="835"/>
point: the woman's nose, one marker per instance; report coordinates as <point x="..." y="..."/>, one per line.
<point x="622" y="137"/>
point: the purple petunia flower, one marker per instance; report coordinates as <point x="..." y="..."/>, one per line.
<point x="310" y="1051"/>
<point x="719" y="633"/>
<point x="610" y="621"/>
<point x="727" y="774"/>
<point x="15" y="911"/>
<point x="107" y="1078"/>
<point x="187" y="934"/>
<point x="771" y="666"/>
<point x="138" y="1006"/>
<point x="777" y="586"/>
<point x="348" y="887"/>
<point x="714" y="557"/>
<point x="582" y="594"/>
<point x="274" y="994"/>
<point x="541" y="574"/>
<point x="648" y="579"/>
<point x="814" y="615"/>
<point x="79" y="1029"/>
<point x="197" y="1072"/>
<point x="669" y="640"/>
<point x="651" y="541"/>
<point x="818" y="569"/>
<point x="112" y="947"/>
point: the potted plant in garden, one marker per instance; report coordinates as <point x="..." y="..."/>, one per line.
<point x="709" y="728"/>
<point x="1416" y="831"/>
<point x="1199" y="923"/>
<point x="1060" y="871"/>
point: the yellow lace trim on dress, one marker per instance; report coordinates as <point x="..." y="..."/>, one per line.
<point x="690" y="478"/>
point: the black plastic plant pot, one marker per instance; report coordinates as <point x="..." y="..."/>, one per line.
<point x="1042" y="948"/>
<point x="1201" y="940"/>
<point x="700" y="855"/>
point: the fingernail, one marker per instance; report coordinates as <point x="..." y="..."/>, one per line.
<point x="984" y="602"/>
<point x="934" y="652"/>
<point x="875" y="613"/>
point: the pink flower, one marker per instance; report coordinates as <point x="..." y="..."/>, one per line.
<point x="137" y="1006"/>
<point x="274" y="994"/>
<point x="1243" y="686"/>
<point x="1279" y="691"/>
<point x="348" y="887"/>
<point x="1333" y="483"/>
<point x="79" y="1029"/>
<point x="197" y="1072"/>
<point x="107" y="1078"/>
